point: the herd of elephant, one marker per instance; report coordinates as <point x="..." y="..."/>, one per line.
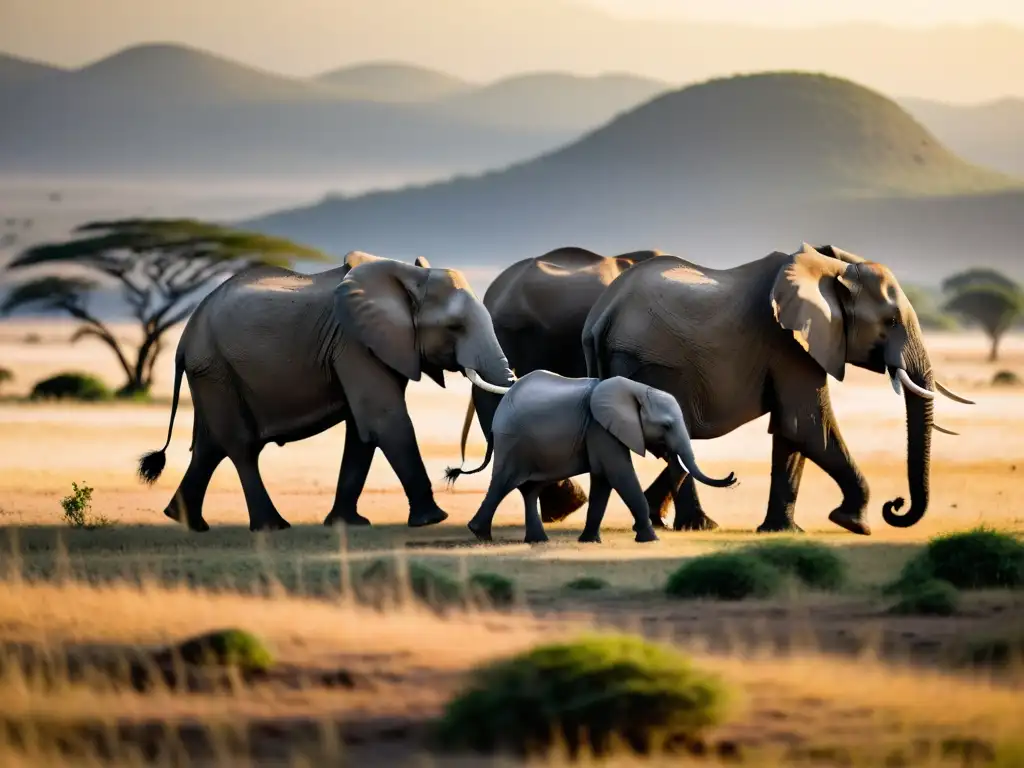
<point x="639" y="352"/>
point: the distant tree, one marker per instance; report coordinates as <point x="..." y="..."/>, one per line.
<point x="989" y="298"/>
<point x="159" y="264"/>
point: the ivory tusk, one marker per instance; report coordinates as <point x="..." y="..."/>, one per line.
<point x="475" y="379"/>
<point x="896" y="386"/>
<point x="952" y="395"/>
<point x="944" y="431"/>
<point x="911" y="386"/>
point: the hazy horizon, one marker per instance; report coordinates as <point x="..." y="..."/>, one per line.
<point x="910" y="42"/>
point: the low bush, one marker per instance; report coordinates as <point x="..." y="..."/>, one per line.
<point x="226" y="648"/>
<point x="593" y="693"/>
<point x="725" y="576"/>
<point x="71" y="386"/>
<point x="927" y="598"/>
<point x="493" y="588"/>
<point x="77" y="508"/>
<point x="1006" y="379"/>
<point x="426" y="583"/>
<point x="587" y="584"/>
<point x="978" y="559"/>
<point x="815" y="565"/>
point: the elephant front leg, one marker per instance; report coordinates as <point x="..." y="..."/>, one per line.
<point x="397" y="438"/>
<point x="355" y="466"/>
<point x="690" y="515"/>
<point x="787" y="471"/>
<point x="535" y="533"/>
<point x="263" y="515"/>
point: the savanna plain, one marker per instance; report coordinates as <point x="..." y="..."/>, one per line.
<point x="818" y="677"/>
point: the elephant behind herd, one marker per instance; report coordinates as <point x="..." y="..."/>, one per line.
<point x="275" y="356"/>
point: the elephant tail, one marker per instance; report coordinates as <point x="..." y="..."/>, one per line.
<point x="453" y="473"/>
<point x="152" y="464"/>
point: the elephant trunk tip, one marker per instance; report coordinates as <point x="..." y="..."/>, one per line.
<point x="151" y="465"/>
<point x="906" y="520"/>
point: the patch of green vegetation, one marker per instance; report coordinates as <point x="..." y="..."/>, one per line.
<point x="978" y="559"/>
<point x="427" y="584"/>
<point x="815" y="565"/>
<point x="593" y="693"/>
<point x="1006" y="379"/>
<point x="77" y="508"/>
<point x="927" y="598"/>
<point x="725" y="576"/>
<point x="587" y="584"/>
<point x="71" y="386"/>
<point x="494" y="588"/>
<point x="227" y="648"/>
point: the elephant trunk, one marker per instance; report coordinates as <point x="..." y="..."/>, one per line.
<point x="919" y="432"/>
<point x="680" y="445"/>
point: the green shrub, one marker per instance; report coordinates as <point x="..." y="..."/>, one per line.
<point x="978" y="559"/>
<point x="595" y="692"/>
<point x="587" y="584"/>
<point x="427" y="584"/>
<point x="494" y="588"/>
<point x="77" y="508"/>
<point x="726" y="576"/>
<point x="227" y="648"/>
<point x="71" y="386"/>
<point x="928" y="598"/>
<point x="1006" y="379"/>
<point x="816" y="565"/>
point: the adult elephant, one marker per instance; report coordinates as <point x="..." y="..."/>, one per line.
<point x="274" y="356"/>
<point x="732" y="345"/>
<point x="538" y="307"/>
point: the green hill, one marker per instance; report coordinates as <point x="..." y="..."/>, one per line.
<point x="392" y="82"/>
<point x="736" y="166"/>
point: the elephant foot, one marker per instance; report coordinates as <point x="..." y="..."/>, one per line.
<point x="273" y="524"/>
<point x="427" y="517"/>
<point x="194" y="524"/>
<point x="201" y="526"/>
<point x="852" y="523"/>
<point x="345" y="518"/>
<point x="779" y="526"/>
<point x="536" y="538"/>
<point x="559" y="501"/>
<point x="481" y="531"/>
<point x="695" y="523"/>
<point x="646" y="536"/>
<point x="589" y="538"/>
<point x="657" y="521"/>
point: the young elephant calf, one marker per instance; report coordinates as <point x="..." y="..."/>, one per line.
<point x="548" y="428"/>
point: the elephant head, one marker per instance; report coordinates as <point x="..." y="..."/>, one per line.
<point x="843" y="309"/>
<point x="419" y="320"/>
<point x="643" y="418"/>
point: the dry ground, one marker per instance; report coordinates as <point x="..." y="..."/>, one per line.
<point x="409" y="661"/>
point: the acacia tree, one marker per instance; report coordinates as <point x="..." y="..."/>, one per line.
<point x="159" y="265"/>
<point x="987" y="297"/>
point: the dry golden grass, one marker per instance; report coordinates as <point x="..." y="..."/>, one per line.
<point x="889" y="689"/>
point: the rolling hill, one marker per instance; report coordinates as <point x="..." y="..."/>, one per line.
<point x="552" y="100"/>
<point x="722" y="171"/>
<point x="16" y="72"/>
<point x="392" y="82"/>
<point x="989" y="134"/>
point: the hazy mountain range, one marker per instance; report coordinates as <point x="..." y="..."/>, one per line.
<point x="158" y="110"/>
<point x="723" y="172"/>
<point x="163" y="109"/>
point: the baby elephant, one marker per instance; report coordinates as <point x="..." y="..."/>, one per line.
<point x="548" y="428"/>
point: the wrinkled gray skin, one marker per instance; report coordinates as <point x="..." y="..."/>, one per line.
<point x="538" y="307"/>
<point x="273" y="356"/>
<point x="733" y="345"/>
<point x="549" y="427"/>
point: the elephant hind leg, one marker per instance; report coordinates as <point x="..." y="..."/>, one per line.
<point x="559" y="500"/>
<point x="535" y="533"/>
<point x="187" y="502"/>
<point x="263" y="515"/>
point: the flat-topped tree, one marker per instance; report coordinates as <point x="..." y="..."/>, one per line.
<point x="160" y="265"/>
<point x="989" y="298"/>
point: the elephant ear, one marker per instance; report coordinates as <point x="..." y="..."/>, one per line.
<point x="376" y="304"/>
<point x="837" y="253"/>
<point x="421" y="261"/>
<point x="806" y="301"/>
<point x="615" y="404"/>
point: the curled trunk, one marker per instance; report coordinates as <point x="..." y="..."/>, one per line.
<point x="919" y="437"/>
